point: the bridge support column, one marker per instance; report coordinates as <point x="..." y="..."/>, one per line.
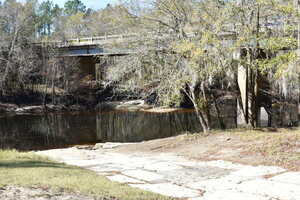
<point x="247" y="87"/>
<point x="253" y="87"/>
<point x="243" y="86"/>
<point x="242" y="81"/>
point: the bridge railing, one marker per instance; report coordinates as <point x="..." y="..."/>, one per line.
<point x="105" y="39"/>
<point x="96" y="40"/>
<point x="88" y="40"/>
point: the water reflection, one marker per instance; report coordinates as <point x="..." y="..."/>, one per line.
<point x="138" y="126"/>
<point x="25" y="132"/>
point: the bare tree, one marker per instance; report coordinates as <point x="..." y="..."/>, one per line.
<point x="177" y="61"/>
<point x="17" y="56"/>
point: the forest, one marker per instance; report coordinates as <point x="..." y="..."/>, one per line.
<point x="189" y="52"/>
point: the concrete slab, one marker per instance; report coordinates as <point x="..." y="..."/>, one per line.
<point x="169" y="189"/>
<point x="289" y="177"/>
<point x="162" y="166"/>
<point x="175" y="176"/>
<point x="231" y="195"/>
<point x="109" y="145"/>
<point x="197" y="198"/>
<point x="83" y="163"/>
<point x="131" y="161"/>
<point x="187" y="164"/>
<point x="105" y="173"/>
<point x="257" y="171"/>
<point x="188" y="175"/>
<point x="271" y="189"/>
<point x="223" y="164"/>
<point x="213" y="185"/>
<point x="124" y="179"/>
<point x="109" y="168"/>
<point x="143" y="175"/>
<point x="169" y="157"/>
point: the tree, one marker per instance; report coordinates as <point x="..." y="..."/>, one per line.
<point x="45" y="17"/>
<point x="111" y="20"/>
<point x="48" y="13"/>
<point x="177" y="61"/>
<point x="17" y="57"/>
<point x="73" y="7"/>
<point x="265" y="39"/>
<point x="191" y="47"/>
<point x="75" y="26"/>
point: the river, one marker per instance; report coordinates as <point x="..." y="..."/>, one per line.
<point x="47" y="131"/>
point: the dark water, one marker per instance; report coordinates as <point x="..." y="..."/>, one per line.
<point x="27" y="132"/>
<point x="139" y="126"/>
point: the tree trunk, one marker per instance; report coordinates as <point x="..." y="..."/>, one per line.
<point x="220" y="120"/>
<point x="203" y="120"/>
<point x="253" y="94"/>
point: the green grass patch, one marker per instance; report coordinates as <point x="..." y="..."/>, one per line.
<point x="31" y="170"/>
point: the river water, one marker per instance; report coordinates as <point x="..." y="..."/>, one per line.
<point x="32" y="132"/>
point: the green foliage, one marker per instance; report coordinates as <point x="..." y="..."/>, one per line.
<point x="75" y="25"/>
<point x="73" y="7"/>
<point x="278" y="64"/>
<point x="47" y="13"/>
<point x="275" y="44"/>
<point x="203" y="104"/>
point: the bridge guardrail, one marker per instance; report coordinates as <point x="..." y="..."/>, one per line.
<point x="95" y="40"/>
<point x="101" y="39"/>
<point x="98" y="40"/>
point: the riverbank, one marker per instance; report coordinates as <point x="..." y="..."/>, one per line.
<point x="241" y="164"/>
<point x="39" y="109"/>
<point x="217" y="166"/>
<point x="32" y="177"/>
<point x="128" y="105"/>
<point x="265" y="146"/>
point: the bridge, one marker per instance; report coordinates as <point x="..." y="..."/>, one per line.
<point x="97" y="46"/>
<point x="91" y="46"/>
<point x="90" y="50"/>
<point x="109" y="39"/>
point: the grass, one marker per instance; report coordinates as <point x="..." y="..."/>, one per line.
<point x="31" y="170"/>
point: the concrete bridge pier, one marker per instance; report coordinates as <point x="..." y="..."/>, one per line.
<point x="87" y="66"/>
<point x="257" y="107"/>
<point x="94" y="67"/>
<point x="253" y="86"/>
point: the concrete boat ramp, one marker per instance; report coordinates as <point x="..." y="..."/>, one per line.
<point x="175" y="176"/>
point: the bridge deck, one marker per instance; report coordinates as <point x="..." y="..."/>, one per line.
<point x="93" y="46"/>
